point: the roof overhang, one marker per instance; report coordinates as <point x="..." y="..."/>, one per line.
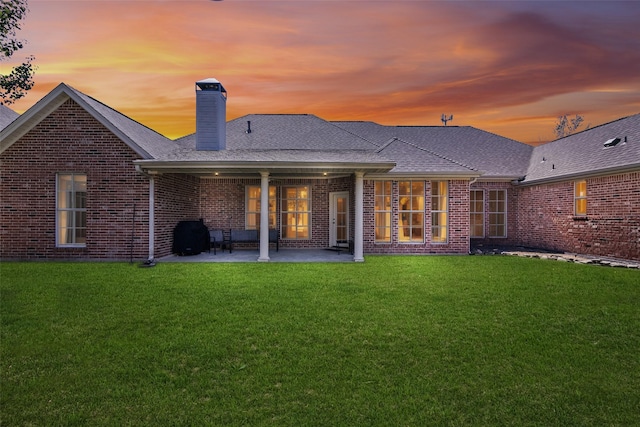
<point x="581" y="175"/>
<point x="30" y="118"/>
<point x="425" y="175"/>
<point x="500" y="178"/>
<point x="243" y="168"/>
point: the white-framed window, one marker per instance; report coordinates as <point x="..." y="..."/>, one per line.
<point x="252" y="207"/>
<point x="439" y="211"/>
<point x="382" y="211"/>
<point x="71" y="210"/>
<point x="476" y="213"/>
<point x="497" y="213"/>
<point x="580" y="198"/>
<point x="295" y="220"/>
<point x="411" y="211"/>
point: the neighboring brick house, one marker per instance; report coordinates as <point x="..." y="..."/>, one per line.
<point x="79" y="180"/>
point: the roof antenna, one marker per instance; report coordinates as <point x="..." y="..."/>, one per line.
<point x="248" y="126"/>
<point x="446" y="119"/>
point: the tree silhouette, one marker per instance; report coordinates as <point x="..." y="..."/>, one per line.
<point x="14" y="85"/>
<point x="566" y="126"/>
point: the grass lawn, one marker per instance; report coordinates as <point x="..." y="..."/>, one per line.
<point x="398" y="340"/>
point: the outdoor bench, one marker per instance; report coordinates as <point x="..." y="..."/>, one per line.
<point x="251" y="236"/>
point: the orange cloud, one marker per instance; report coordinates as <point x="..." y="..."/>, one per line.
<point x="503" y="66"/>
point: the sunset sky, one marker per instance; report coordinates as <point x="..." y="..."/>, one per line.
<point x="506" y="67"/>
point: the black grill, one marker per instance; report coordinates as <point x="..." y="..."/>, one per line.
<point x="190" y="238"/>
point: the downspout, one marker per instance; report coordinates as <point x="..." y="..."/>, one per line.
<point x="152" y="217"/>
<point x="152" y="186"/>
<point x="471" y="182"/>
<point x="358" y="241"/>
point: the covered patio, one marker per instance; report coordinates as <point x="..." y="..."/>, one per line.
<point x="297" y="167"/>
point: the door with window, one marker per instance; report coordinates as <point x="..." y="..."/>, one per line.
<point x="339" y="219"/>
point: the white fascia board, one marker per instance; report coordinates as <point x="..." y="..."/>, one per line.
<point x="499" y="178"/>
<point x="48" y="104"/>
<point x="424" y="175"/>
<point x="582" y="175"/>
<point x="34" y="115"/>
<point x="109" y="125"/>
<point x="257" y="166"/>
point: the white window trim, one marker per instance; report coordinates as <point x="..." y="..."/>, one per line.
<point x="58" y="210"/>
<point x="283" y="212"/>
<point x="389" y="212"/>
<point x="411" y="211"/>
<point x="445" y="241"/>
<point x="483" y="213"/>
<point x="246" y="206"/>
<point x="506" y="208"/>
<point x="576" y="198"/>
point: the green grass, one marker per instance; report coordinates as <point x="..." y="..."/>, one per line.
<point x="394" y="341"/>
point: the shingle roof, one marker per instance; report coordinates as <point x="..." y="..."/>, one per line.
<point x="416" y="149"/>
<point x="286" y="132"/>
<point x="494" y="155"/>
<point x="292" y="138"/>
<point x="283" y="155"/>
<point x="277" y="139"/>
<point x="412" y="159"/>
<point x="7" y="115"/>
<point x="584" y="153"/>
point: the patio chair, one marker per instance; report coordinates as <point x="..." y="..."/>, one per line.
<point x="216" y="240"/>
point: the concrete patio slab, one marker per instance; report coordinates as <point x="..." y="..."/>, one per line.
<point x="283" y="255"/>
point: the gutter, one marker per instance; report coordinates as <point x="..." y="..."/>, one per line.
<point x="425" y="175"/>
<point x="155" y="166"/>
<point x="587" y="174"/>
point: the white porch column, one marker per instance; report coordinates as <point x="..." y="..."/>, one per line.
<point x="358" y="240"/>
<point x="264" y="216"/>
<point x="152" y="216"/>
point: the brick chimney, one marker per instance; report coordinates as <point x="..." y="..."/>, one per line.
<point x="211" y="115"/>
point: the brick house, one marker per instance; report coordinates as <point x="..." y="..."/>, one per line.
<point x="581" y="194"/>
<point x="79" y="180"/>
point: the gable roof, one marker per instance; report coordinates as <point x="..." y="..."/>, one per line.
<point x="583" y="154"/>
<point x="7" y="115"/>
<point x="143" y="140"/>
<point x="495" y="156"/>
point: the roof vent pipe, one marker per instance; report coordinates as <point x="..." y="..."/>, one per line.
<point x="211" y="115"/>
<point x="248" y="126"/>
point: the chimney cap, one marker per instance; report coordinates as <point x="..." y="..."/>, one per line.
<point x="209" y="80"/>
<point x="210" y="84"/>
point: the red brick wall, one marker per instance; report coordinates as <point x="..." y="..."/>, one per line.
<point x="458" y="240"/>
<point x="512" y="204"/>
<point x="222" y="205"/>
<point x="177" y="198"/>
<point x="611" y="227"/>
<point x="70" y="140"/>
